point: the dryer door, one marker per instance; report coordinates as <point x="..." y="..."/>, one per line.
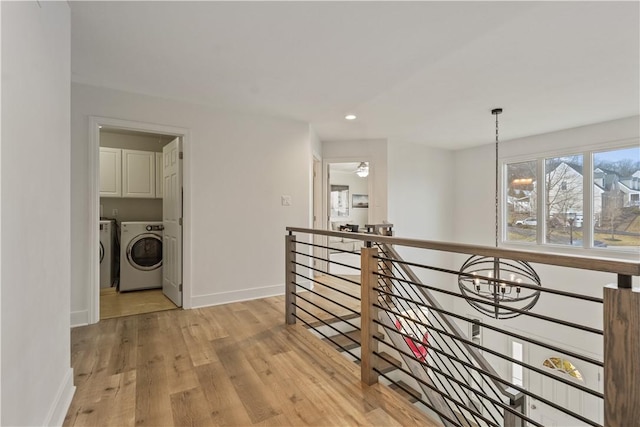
<point x="145" y="252"/>
<point x="101" y="252"/>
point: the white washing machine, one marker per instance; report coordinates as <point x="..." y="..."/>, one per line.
<point x="106" y="253"/>
<point x="140" y="255"/>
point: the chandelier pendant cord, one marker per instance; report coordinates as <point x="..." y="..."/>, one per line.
<point x="496" y="112"/>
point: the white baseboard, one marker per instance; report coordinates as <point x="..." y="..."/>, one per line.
<point x="79" y="318"/>
<point x="60" y="406"/>
<point x="240" y="295"/>
<point x="236" y="296"/>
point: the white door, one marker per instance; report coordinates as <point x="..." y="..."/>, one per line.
<point x="172" y="222"/>
<point x="562" y="394"/>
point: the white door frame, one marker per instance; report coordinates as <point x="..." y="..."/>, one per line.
<point x="327" y="191"/>
<point x="95" y="123"/>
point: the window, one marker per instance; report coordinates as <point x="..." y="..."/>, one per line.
<point x="545" y="200"/>
<point x="563" y="199"/>
<point x="616" y="179"/>
<point x="521" y="201"/>
<point x="562" y="366"/>
<point x="517" y="375"/>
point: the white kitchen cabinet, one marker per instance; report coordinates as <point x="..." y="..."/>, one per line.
<point x="110" y="172"/>
<point x="159" y="169"/>
<point x="138" y="174"/>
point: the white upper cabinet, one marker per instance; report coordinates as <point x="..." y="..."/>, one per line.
<point x="159" y="169"/>
<point x="110" y="172"/>
<point x="138" y="174"/>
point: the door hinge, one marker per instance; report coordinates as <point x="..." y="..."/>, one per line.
<point x="181" y="155"/>
<point x="180" y="222"/>
<point x="180" y="287"/>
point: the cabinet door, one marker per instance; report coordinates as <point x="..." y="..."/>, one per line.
<point x="138" y="174"/>
<point x="159" y="170"/>
<point x="110" y="172"/>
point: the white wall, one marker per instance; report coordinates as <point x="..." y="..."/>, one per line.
<point x="375" y="152"/>
<point x="236" y="168"/>
<point x="37" y="381"/>
<point x="421" y="200"/>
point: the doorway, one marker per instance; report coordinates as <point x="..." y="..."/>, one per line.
<point x="138" y="205"/>
<point x="348" y="191"/>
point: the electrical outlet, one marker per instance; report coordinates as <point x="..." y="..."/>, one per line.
<point x="114" y="212"/>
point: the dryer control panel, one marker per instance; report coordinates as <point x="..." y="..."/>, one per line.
<point x="155" y="227"/>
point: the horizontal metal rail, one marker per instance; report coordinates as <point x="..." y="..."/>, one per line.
<point x="504" y="281"/>
<point x="315" y="245"/>
<point x="427" y="404"/>
<point x="328" y="312"/>
<point x="492" y="304"/>
<point x="327" y="260"/>
<point x="607" y="265"/>
<point x="326" y="273"/>
<point x="498" y="354"/>
<point x="520" y="337"/>
<point x="355" y="297"/>
<point x="449" y="368"/>
<point x="485" y="396"/>
<point x="326" y="336"/>
<point x="325" y="298"/>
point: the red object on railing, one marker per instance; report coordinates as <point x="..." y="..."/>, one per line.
<point x="419" y="349"/>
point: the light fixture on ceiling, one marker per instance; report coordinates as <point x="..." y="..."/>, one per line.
<point x="501" y="288"/>
<point x="363" y="170"/>
<point x="350" y="117"/>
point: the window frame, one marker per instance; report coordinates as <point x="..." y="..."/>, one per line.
<point x="587" y="248"/>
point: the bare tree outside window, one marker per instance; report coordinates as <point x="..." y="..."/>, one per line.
<point x="616" y="178"/>
<point x="563" y="200"/>
<point x="521" y="201"/>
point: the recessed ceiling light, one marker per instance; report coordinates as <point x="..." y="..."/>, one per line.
<point x="350" y="117"/>
<point x="99" y="127"/>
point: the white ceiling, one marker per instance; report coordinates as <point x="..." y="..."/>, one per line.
<point x="423" y="72"/>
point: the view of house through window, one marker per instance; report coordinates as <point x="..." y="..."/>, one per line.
<point x="559" y="198"/>
<point x="563" y="200"/>
<point x="616" y="176"/>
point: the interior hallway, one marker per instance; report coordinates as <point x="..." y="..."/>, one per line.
<point x="235" y="364"/>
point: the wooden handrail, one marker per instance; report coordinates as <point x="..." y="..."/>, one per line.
<point x="608" y="265"/>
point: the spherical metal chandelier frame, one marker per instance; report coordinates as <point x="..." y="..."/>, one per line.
<point x="501" y="288"/>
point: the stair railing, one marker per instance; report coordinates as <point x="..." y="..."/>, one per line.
<point x="386" y="289"/>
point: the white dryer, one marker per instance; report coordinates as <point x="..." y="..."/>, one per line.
<point x="140" y="255"/>
<point x="106" y="253"/>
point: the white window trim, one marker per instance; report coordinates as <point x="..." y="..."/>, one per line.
<point x="540" y="245"/>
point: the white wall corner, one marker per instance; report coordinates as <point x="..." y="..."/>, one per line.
<point x="62" y="401"/>
<point x="79" y="318"/>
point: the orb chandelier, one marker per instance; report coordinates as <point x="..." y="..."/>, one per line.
<point x="501" y="288"/>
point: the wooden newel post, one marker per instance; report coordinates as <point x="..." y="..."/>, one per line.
<point x="369" y="296"/>
<point x="621" y="356"/>
<point x="290" y="279"/>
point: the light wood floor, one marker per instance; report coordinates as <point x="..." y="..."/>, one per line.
<point x="116" y="304"/>
<point x="234" y="365"/>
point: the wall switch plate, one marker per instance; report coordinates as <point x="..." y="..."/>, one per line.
<point x="286" y="200"/>
<point x="115" y="212"/>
